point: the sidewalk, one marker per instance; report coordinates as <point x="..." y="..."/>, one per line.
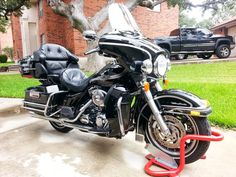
<point x="199" y="61"/>
<point x="10" y="105"/>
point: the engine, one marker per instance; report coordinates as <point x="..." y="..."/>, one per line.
<point x="94" y="115"/>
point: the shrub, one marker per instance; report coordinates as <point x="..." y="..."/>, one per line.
<point x="3" y="58"/>
<point x="9" y="52"/>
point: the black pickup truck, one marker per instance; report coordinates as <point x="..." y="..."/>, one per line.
<point x="196" y="41"/>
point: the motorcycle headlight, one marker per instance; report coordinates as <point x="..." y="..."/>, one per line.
<point x="161" y="65"/>
<point x="147" y="66"/>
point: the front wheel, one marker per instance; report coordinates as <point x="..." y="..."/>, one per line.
<point x="223" y="51"/>
<point x="179" y="127"/>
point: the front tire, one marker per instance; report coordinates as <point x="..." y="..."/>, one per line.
<point x="223" y="51"/>
<point x="179" y="126"/>
<point x="60" y="128"/>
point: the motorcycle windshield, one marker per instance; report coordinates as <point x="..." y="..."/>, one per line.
<point x="121" y="19"/>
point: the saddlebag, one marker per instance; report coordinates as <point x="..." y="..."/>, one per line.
<point x="37" y="100"/>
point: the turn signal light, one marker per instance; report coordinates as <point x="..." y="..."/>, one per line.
<point x="166" y="82"/>
<point x="146" y="86"/>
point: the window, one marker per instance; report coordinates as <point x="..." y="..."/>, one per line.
<point x="188" y="33"/>
<point x="40" y="8"/>
<point x="42" y="39"/>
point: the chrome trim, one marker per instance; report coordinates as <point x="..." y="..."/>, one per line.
<point x="146" y="44"/>
<point x="45" y="107"/>
<point x="150" y="101"/>
<point x="171" y="111"/>
<point x="79" y="114"/>
<point x="33" y="109"/>
<point x="158" y="86"/>
<point x="171" y="96"/>
<point x="49" y="99"/>
<point x="192" y="52"/>
<point x="126" y="45"/>
<point x="81" y="128"/>
<point x="36" y="104"/>
<point x="122" y="130"/>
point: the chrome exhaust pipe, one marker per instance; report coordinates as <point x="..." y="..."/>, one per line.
<point x="79" y="127"/>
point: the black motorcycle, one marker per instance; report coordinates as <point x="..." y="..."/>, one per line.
<point x="125" y="95"/>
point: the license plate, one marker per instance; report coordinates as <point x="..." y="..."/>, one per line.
<point x="34" y="94"/>
<point x="52" y="88"/>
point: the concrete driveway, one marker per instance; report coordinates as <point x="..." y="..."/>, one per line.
<point x="31" y="148"/>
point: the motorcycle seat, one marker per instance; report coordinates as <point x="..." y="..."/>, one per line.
<point x="74" y="80"/>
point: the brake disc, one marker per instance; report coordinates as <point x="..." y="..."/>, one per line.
<point x="176" y="128"/>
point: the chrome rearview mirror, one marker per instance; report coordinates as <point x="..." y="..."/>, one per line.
<point x="89" y="35"/>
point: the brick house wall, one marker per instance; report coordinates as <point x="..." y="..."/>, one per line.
<point x="17" y="38"/>
<point x="6" y="39"/>
<point x="53" y="28"/>
<point x="154" y="24"/>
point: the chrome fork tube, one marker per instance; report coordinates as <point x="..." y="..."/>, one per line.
<point x="158" y="86"/>
<point x="120" y="119"/>
<point x="149" y="98"/>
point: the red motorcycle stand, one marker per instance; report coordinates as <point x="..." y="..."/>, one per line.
<point x="166" y="162"/>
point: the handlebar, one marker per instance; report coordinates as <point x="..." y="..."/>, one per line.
<point x="97" y="49"/>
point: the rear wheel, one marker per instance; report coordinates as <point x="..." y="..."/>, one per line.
<point x="179" y="127"/>
<point x="205" y="56"/>
<point x="181" y="56"/>
<point x="59" y="127"/>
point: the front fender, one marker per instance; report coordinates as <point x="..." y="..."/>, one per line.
<point x="182" y="102"/>
<point x="224" y="41"/>
<point x="175" y="102"/>
<point x="178" y="102"/>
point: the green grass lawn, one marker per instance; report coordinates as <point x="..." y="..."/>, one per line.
<point x="13" y="85"/>
<point x="214" y="82"/>
<point x="6" y="64"/>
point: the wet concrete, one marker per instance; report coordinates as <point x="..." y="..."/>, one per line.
<point x="31" y="148"/>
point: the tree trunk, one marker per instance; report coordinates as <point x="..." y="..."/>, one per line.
<point x="95" y="61"/>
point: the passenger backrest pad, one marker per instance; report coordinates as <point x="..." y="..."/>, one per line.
<point x="54" y="57"/>
<point x="54" y="52"/>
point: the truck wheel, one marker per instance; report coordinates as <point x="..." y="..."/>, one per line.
<point x="223" y="51"/>
<point x="204" y="56"/>
<point x="199" y="55"/>
<point x="181" y="56"/>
